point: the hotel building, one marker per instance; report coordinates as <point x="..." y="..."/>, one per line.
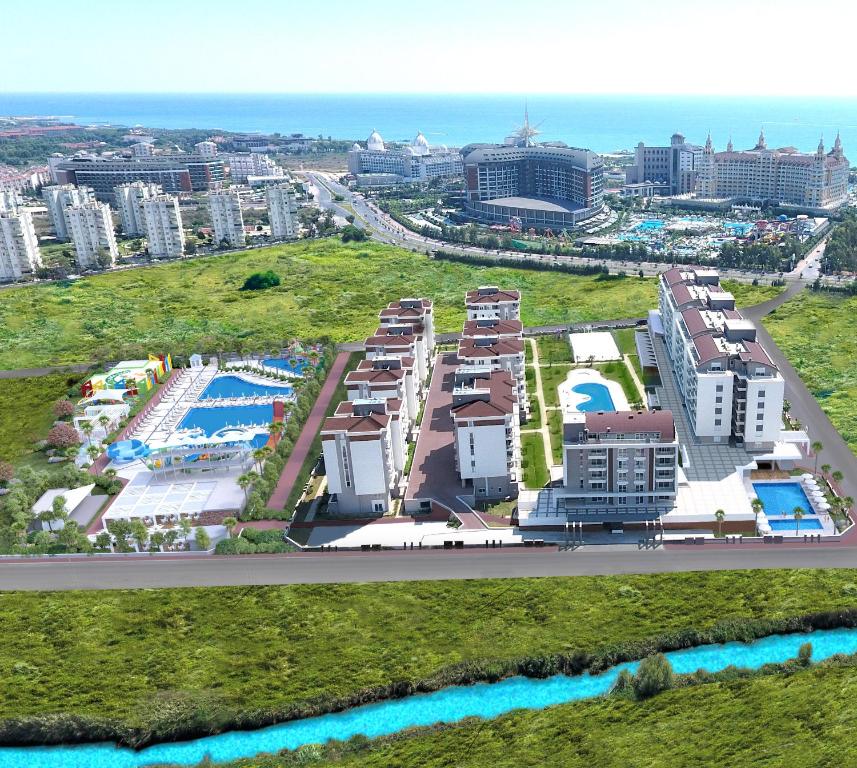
<point x="58" y="198"/>
<point x="377" y="165"/>
<point x="282" y="211"/>
<point x="162" y="223"/>
<point x="731" y="387"/>
<point x="673" y="168"/>
<point x="19" y="246"/>
<point x="90" y="226"/>
<point x="128" y="199"/>
<point x="486" y="433"/>
<point x="227" y="218"/>
<point x="206" y="149"/>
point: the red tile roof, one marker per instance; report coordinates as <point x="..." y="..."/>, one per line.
<point x="475" y="297"/>
<point x="507" y="346"/>
<point x="632" y="422"/>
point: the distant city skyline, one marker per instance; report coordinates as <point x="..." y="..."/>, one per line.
<point x="385" y="46"/>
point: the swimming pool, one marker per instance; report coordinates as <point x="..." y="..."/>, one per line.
<point x="741" y="228"/>
<point x="649" y="225"/>
<point x="598" y="394"/>
<point x="236" y="386"/>
<point x="782" y="498"/>
<point x="213" y="421"/>
<point x="806" y="524"/>
<point x="297" y="367"/>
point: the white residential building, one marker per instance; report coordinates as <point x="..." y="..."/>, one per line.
<point x="19" y="246"/>
<point x="731" y="387"/>
<point x="129" y="198"/>
<point x="58" y="197"/>
<point x="487" y="439"/>
<point x="492" y="328"/>
<point x="488" y="301"/>
<point x="402" y="340"/>
<point x="9" y="200"/>
<point x="386" y="378"/>
<point x="359" y="458"/>
<point x="499" y="354"/>
<point x="142" y="149"/>
<point x="417" y="312"/>
<point x="227" y="218"/>
<point x="282" y="211"/>
<point x="90" y="227"/>
<point x="162" y="222"/>
<point x="244" y="164"/>
<point x="207" y="149"/>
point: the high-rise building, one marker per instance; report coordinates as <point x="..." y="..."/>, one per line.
<point x="244" y="164"/>
<point x="227" y="218"/>
<point x="162" y="222"/>
<point x="282" y="211"/>
<point x="129" y="198"/>
<point x="676" y="166"/>
<point x="90" y="226"/>
<point x="206" y="149"/>
<point x="9" y="200"/>
<point x="142" y="149"/>
<point x="379" y="165"/>
<point x="58" y="198"/>
<point x="19" y="246"/>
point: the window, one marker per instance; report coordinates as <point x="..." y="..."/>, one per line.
<point x="761" y="393"/>
<point x="378" y="506"/>
<point x="760" y="417"/>
<point x="718" y="388"/>
<point x="718" y="411"/>
<point x="718" y="422"/>
<point x="718" y="399"/>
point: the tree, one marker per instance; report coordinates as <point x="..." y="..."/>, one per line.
<point x="825" y="468"/>
<point x="57" y="511"/>
<point x="104" y="541"/>
<point x="71" y="537"/>
<point x="156" y="540"/>
<point x="719" y="515"/>
<point x="259" y="281"/>
<point x="351" y="233"/>
<point x="104" y="420"/>
<point x="260" y="454"/>
<point x="203" y="540"/>
<point x="817" y="448"/>
<point x="655" y="674"/>
<point x="7" y="472"/>
<point x="140" y="533"/>
<point x="276" y="428"/>
<point x="230" y="523"/>
<point x="758" y="507"/>
<point x="798" y="515"/>
<point x="837" y="476"/>
<point x="87" y="428"/>
<point x="244" y="482"/>
<point x="63" y="436"/>
<point x="92" y="451"/>
<point x="184" y="527"/>
<point x="63" y="408"/>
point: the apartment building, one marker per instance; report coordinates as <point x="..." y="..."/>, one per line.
<point x="731" y="387"/>
<point x="386" y="378"/>
<point x="206" y="149"/>
<point x="128" y="199"/>
<point x="360" y="446"/>
<point x="58" y="197"/>
<point x="501" y="354"/>
<point x="282" y="211"/>
<point x="492" y="328"/>
<point x="244" y="164"/>
<point x="227" y="218"/>
<point x="19" y="246"/>
<point x="489" y="301"/>
<point x="621" y="462"/>
<point x="9" y="200"/>
<point x="402" y="340"/>
<point x="486" y="432"/>
<point x="162" y="223"/>
<point x="417" y="312"/>
<point x="142" y="149"/>
<point x="90" y="226"/>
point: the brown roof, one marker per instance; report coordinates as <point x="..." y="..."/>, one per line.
<point x="405" y="342"/>
<point x="509" y="346"/>
<point x="369" y="365"/>
<point x="706" y="347"/>
<point x="755" y="353"/>
<point x="495" y="328"/>
<point x="501" y="398"/>
<point x="682" y="295"/>
<point x="397" y="305"/>
<point x="374" y="422"/>
<point x="694" y="321"/>
<point x="673" y="276"/>
<point x="375" y="376"/>
<point x="474" y="297"/>
<point x="630" y="422"/>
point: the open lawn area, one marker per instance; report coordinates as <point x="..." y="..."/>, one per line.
<point x="555" y="426"/>
<point x="328" y="289"/>
<point x="618" y="371"/>
<point x="552" y="377"/>
<point x="816" y="331"/>
<point x="535" y="469"/>
<point x="554" y="349"/>
<point x="150" y="658"/>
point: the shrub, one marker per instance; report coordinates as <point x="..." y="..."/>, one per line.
<point x="804" y="653"/>
<point x="350" y="232"/>
<point x="258" y="281"/>
<point x="63" y="436"/>
<point x="63" y="408"/>
<point x="655" y="674"/>
<point x="7" y="471"/>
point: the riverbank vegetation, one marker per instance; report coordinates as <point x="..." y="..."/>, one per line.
<point x="300" y="650"/>
<point x="329" y="289"/>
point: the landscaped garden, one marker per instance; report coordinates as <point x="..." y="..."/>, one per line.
<point x="536" y="474"/>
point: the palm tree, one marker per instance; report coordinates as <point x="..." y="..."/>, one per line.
<point x="719" y="515"/>
<point x="244" y="482"/>
<point x="837" y="476"/>
<point x="275" y="428"/>
<point x="798" y="514"/>
<point x="825" y="468"/>
<point x="817" y="448"/>
<point x="87" y="428"/>
<point x="260" y="454"/>
<point x="758" y="508"/>
<point x="185" y="527"/>
<point x="104" y="420"/>
<point x="93" y="451"/>
<point x="230" y="523"/>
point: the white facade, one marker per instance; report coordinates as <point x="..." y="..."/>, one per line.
<point x="57" y="198"/>
<point x="19" y="246"/>
<point x="90" y="227"/>
<point x="488" y="302"/>
<point x="205" y="149"/>
<point x="9" y="201"/>
<point x="417" y="162"/>
<point x="385" y="378"/>
<point x="244" y="164"/>
<point x="162" y="222"/>
<point x="142" y="149"/>
<point x="129" y="198"/>
<point x="282" y="211"/>
<point x="416" y="312"/>
<point x="227" y="218"/>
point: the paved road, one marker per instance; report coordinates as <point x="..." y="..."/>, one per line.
<point x="432" y="565"/>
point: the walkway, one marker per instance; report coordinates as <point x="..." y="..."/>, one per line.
<point x="301" y="449"/>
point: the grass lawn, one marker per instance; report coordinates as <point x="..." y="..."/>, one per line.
<point x="618" y="371"/>
<point x="328" y="289"/>
<point x="805" y="719"/>
<point x="816" y="333"/>
<point x="555" y="422"/>
<point x="552" y="377"/>
<point x="535" y="421"/>
<point x="554" y="349"/>
<point x="624" y="338"/>
<point x="535" y="469"/>
<point x="26" y="414"/>
<point x="145" y="657"/>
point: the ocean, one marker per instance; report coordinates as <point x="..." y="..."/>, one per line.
<point x="601" y="123"/>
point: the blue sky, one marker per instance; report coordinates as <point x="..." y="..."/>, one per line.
<point x="549" y="46"/>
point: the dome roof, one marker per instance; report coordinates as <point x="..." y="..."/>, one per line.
<point x="356" y="147"/>
<point x="375" y="142"/>
<point x="420" y="144"/>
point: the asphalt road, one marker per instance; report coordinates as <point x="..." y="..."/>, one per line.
<point x="432" y="565"/>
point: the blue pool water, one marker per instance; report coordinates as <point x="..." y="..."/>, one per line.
<point x="740" y="228"/>
<point x="649" y="225"/>
<point x="283" y="364"/>
<point x="214" y="421"/>
<point x="806" y="524"/>
<point x="782" y="498"/>
<point x="236" y="386"/>
<point x="599" y="397"/>
<point x="449" y="705"/>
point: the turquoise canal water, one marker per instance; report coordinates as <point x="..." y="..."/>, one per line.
<point x="484" y="700"/>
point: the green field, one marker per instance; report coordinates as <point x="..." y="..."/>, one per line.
<point x="555" y="428"/>
<point x="156" y="658"/>
<point x="816" y="333"/>
<point x="804" y="720"/>
<point x="328" y="289"/>
<point x="552" y="377"/>
<point x="535" y="469"/>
